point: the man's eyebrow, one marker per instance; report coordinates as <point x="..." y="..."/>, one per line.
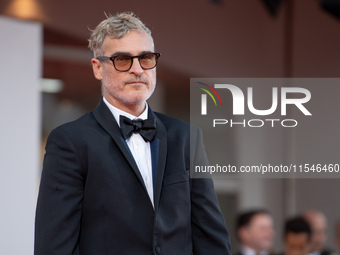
<point x="119" y="53"/>
<point x="145" y="52"/>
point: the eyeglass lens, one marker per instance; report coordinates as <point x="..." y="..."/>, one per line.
<point x="147" y="61"/>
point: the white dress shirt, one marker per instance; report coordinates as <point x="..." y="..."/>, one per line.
<point x="245" y="250"/>
<point x="138" y="147"/>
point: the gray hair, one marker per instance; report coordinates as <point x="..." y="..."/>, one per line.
<point x="117" y="27"/>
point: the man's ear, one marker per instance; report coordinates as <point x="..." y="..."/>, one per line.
<point x="242" y="233"/>
<point x="97" y="68"/>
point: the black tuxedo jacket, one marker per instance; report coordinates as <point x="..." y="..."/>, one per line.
<point x="93" y="201"/>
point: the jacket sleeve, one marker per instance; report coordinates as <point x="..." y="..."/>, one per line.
<point x="59" y="206"/>
<point x="209" y="231"/>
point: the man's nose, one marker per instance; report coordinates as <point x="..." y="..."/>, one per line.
<point x="136" y="67"/>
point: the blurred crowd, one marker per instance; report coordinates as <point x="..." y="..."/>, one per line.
<point x="304" y="234"/>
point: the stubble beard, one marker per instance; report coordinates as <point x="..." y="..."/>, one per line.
<point x="134" y="97"/>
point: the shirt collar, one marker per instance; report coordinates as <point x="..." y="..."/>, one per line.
<point x="117" y="112"/>
<point x="249" y="251"/>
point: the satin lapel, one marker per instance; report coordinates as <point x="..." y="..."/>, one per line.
<point x="105" y="118"/>
<point x="162" y="154"/>
<point x="154" y="146"/>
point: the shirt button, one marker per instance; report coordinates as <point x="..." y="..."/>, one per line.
<point x="158" y="250"/>
<point x="137" y="143"/>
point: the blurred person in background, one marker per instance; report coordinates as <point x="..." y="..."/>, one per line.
<point x="117" y="180"/>
<point x="318" y="223"/>
<point x="337" y="236"/>
<point x="297" y="236"/>
<point x="255" y="232"/>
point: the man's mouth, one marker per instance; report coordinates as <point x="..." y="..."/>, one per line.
<point x="135" y="82"/>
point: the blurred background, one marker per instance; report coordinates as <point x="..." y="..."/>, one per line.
<point x="47" y="80"/>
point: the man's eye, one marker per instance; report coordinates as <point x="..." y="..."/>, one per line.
<point x="146" y="57"/>
<point x="122" y="58"/>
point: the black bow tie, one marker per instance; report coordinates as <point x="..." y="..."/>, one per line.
<point x="146" y="128"/>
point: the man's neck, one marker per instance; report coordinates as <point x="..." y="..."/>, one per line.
<point x="133" y="109"/>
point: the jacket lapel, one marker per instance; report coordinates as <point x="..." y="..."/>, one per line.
<point x="154" y="146"/>
<point x="105" y="118"/>
<point x="160" y="154"/>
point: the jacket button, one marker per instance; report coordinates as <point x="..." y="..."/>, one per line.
<point x="158" y="250"/>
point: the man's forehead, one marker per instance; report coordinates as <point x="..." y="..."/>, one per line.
<point x="260" y="217"/>
<point x="133" y="41"/>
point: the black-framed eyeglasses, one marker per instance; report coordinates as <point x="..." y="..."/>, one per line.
<point x="123" y="63"/>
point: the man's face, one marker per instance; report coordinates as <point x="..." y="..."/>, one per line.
<point x="318" y="235"/>
<point x="296" y="244"/>
<point x="319" y="226"/>
<point x="130" y="88"/>
<point x="259" y="234"/>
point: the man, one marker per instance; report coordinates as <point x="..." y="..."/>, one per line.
<point x="297" y="237"/>
<point x="318" y="224"/>
<point x="255" y="232"/>
<point x="112" y="184"/>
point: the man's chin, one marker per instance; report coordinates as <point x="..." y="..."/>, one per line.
<point x="135" y="101"/>
<point x="139" y="97"/>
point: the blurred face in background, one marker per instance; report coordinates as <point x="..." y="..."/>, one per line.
<point x="318" y="224"/>
<point x="259" y="234"/>
<point x="297" y="244"/>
